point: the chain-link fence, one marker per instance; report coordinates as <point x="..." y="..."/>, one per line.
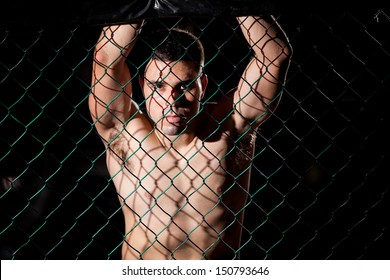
<point x="318" y="185"/>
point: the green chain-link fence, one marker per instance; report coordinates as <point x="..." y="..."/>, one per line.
<point x="318" y="190"/>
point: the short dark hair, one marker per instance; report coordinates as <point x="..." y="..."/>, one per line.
<point x="177" y="44"/>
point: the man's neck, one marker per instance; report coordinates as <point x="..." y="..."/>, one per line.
<point x="181" y="143"/>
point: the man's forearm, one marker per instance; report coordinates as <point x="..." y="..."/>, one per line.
<point x="266" y="38"/>
<point x="115" y="43"/>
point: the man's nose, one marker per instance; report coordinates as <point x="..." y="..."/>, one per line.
<point x="173" y="95"/>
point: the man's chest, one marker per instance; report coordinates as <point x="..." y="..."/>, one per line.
<point x="203" y="163"/>
<point x="199" y="165"/>
<point x="172" y="179"/>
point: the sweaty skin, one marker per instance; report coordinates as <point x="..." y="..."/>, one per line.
<point x="182" y="169"/>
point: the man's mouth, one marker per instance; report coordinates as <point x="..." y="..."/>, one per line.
<point x="173" y="119"/>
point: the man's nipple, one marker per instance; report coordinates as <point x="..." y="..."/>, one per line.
<point x="148" y="196"/>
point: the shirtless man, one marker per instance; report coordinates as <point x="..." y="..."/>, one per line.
<point x="182" y="169"/>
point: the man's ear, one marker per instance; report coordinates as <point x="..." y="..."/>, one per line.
<point x="141" y="81"/>
<point x="204" y="82"/>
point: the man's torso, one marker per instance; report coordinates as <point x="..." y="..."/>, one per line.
<point x="181" y="204"/>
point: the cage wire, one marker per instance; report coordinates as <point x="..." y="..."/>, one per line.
<point x="318" y="187"/>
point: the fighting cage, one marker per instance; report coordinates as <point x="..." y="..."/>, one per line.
<point x="318" y="187"/>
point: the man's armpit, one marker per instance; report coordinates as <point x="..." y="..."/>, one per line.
<point x="118" y="145"/>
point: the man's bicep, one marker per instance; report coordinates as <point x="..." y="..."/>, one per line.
<point x="258" y="92"/>
<point x="110" y="99"/>
<point x="120" y="129"/>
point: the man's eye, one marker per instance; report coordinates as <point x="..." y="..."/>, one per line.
<point x="155" y="86"/>
<point x="186" y="87"/>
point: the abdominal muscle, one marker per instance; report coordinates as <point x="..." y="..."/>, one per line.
<point x="181" y="238"/>
<point x="182" y="218"/>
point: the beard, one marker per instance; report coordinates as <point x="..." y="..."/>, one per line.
<point x="172" y="129"/>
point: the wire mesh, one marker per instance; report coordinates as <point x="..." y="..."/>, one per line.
<point x="318" y="186"/>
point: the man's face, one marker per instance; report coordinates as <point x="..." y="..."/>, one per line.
<point x="172" y="91"/>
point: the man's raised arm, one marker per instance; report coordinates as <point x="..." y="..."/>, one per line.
<point x="260" y="86"/>
<point x="110" y="101"/>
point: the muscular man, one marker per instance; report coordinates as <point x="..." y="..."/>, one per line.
<point x="182" y="169"/>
